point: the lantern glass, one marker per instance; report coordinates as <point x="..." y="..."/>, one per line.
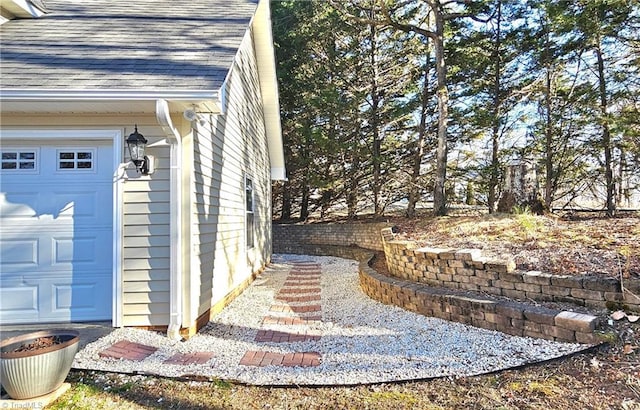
<point x="136" y="150"/>
<point x="136" y="143"/>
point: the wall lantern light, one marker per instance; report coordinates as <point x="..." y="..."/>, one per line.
<point x="136" y="143"/>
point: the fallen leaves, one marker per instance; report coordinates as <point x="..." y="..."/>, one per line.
<point x="619" y="315"/>
<point x="594" y="246"/>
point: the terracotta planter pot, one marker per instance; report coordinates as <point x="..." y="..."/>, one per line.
<point x="35" y="372"/>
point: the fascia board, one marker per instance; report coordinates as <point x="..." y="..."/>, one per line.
<point x="265" y="56"/>
<point x="108" y="95"/>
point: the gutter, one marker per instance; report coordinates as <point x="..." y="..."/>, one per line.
<point x="107" y="95"/>
<point x="175" y="215"/>
<point x="205" y="101"/>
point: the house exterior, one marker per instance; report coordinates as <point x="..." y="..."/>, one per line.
<point x="85" y="236"/>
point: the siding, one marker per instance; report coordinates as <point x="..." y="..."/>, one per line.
<point x="145" y="254"/>
<point x="225" y="148"/>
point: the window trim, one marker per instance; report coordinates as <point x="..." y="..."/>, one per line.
<point x="249" y="217"/>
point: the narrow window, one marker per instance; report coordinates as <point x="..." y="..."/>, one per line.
<point x="249" y="210"/>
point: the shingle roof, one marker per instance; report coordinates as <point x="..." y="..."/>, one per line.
<point x="124" y="44"/>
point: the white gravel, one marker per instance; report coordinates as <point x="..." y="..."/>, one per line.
<point x="362" y="341"/>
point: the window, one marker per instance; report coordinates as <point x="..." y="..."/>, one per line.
<point x="75" y="159"/>
<point x="249" y="211"/>
<point x="19" y="160"/>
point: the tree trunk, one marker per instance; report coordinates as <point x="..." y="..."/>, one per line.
<point x="495" y="132"/>
<point x="548" y="138"/>
<point x="520" y="190"/>
<point x="439" y="195"/>
<point x="548" y="121"/>
<point x="286" y="201"/>
<point x="414" y="188"/>
<point x="304" y="200"/>
<point x="495" y="166"/>
<point x="606" y="135"/>
<point x="375" y="121"/>
<point x="623" y="183"/>
<point x="352" y="191"/>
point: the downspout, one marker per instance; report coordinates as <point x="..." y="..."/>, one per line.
<point x="175" y="216"/>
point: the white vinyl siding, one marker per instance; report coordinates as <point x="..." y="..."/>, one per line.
<point x="226" y="148"/>
<point x="145" y="254"/>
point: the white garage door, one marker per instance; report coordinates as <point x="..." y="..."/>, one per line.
<point x="55" y="231"/>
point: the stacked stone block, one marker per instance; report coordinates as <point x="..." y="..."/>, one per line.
<point x="511" y="317"/>
<point x="289" y="238"/>
<point x="460" y="284"/>
<point x="466" y="269"/>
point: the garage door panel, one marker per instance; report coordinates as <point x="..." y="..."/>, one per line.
<point x="19" y="253"/>
<point x="56" y="238"/>
<point x="83" y="206"/>
<point x="72" y="205"/>
<point x="77" y="206"/>
<point x="62" y="299"/>
<point x="83" y="251"/>
<point x="52" y="298"/>
<point x="18" y="299"/>
<point x="50" y="251"/>
<point x="17" y="206"/>
<point x="81" y="298"/>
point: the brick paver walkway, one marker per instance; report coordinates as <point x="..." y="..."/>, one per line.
<point x="137" y="352"/>
<point x="128" y="350"/>
<point x="298" y="291"/>
<point x="296" y="304"/>
<point x="190" y="358"/>
<point x="296" y="309"/>
<point x="302" y="282"/>
<point x="275" y="336"/>
<point x="291" y="299"/>
<point x="291" y="321"/>
<point x="261" y="358"/>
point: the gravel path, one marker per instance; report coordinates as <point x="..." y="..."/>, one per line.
<point x="362" y="341"/>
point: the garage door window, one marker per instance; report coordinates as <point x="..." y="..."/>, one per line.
<point x="19" y="160"/>
<point x="76" y="160"/>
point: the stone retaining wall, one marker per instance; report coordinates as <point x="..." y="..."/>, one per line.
<point x="288" y="238"/>
<point x="509" y="317"/>
<point x="347" y="252"/>
<point x="466" y="269"/>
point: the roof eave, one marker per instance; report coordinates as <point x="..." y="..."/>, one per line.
<point x="263" y="38"/>
<point x="201" y="100"/>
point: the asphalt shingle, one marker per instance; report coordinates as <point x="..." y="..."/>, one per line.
<point x="119" y="44"/>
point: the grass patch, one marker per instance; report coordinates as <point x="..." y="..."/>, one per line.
<point x="393" y="399"/>
<point x="89" y="396"/>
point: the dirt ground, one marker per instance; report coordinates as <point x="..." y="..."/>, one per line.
<point x="605" y="377"/>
